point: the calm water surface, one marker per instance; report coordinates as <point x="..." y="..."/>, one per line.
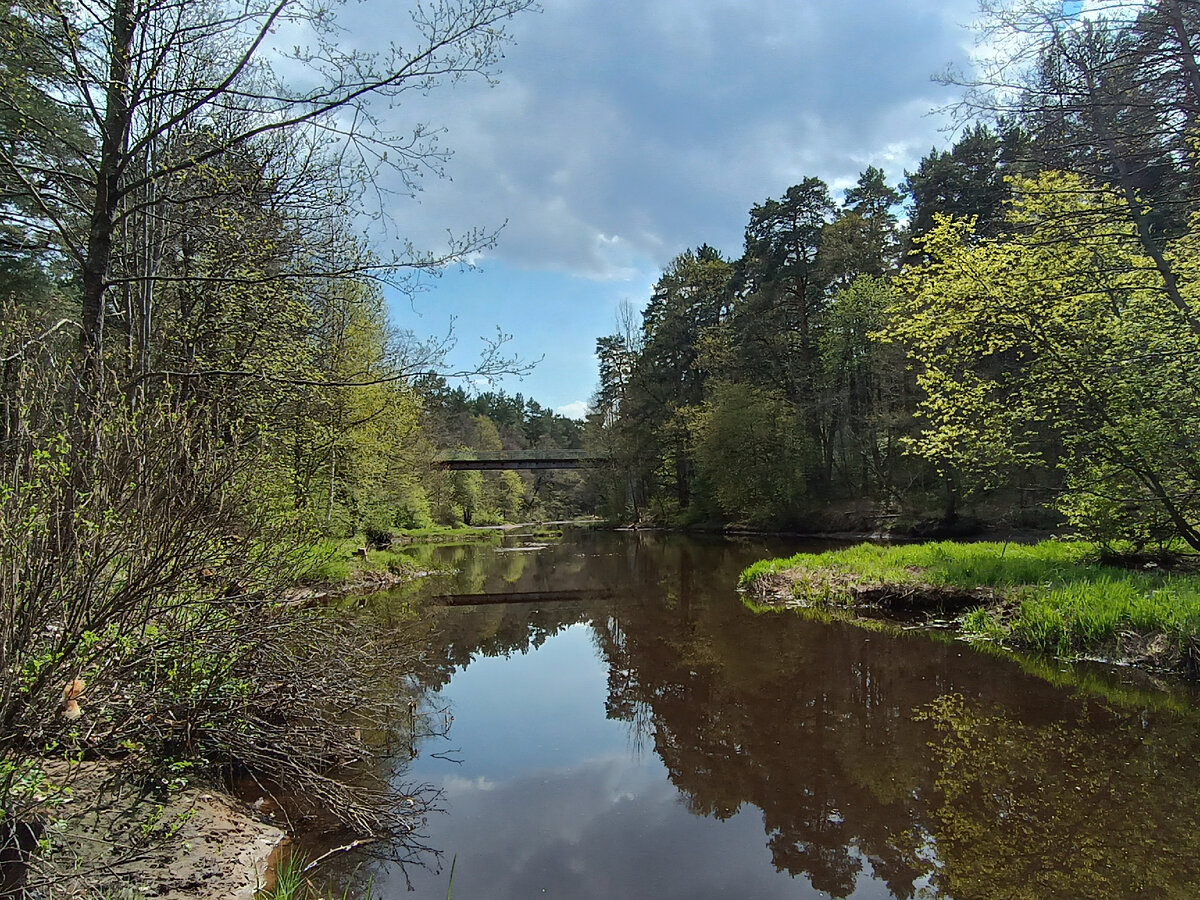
<point x="651" y="737"/>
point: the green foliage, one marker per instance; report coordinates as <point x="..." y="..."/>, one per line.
<point x="324" y="561"/>
<point x="510" y="496"/>
<point x="24" y="786"/>
<point x="413" y="510"/>
<point x="653" y="378"/>
<point x="756" y="390"/>
<point x="781" y="291"/>
<point x="965" y="181"/>
<point x="289" y="881"/>
<point x="492" y="423"/>
<point x="867" y="397"/>
<point x="1053" y="346"/>
<point x="465" y="498"/>
<point x="751" y="451"/>
<point x="862" y="239"/>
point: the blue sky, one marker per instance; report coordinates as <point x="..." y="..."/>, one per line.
<point x="623" y="132"/>
<point x="552" y="319"/>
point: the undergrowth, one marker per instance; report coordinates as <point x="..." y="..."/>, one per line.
<point x="338" y="560"/>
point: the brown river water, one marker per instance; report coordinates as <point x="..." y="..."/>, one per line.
<point x="629" y="729"/>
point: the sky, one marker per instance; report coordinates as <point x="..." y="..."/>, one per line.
<point x="620" y="133"/>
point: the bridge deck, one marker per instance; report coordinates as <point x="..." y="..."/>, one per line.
<point x="517" y="459"/>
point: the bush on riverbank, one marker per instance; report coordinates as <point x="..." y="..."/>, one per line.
<point x="142" y="623"/>
<point x="1051" y="597"/>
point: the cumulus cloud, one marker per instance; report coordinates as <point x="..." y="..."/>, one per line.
<point x="576" y="410"/>
<point x="623" y="131"/>
<point x="593" y="831"/>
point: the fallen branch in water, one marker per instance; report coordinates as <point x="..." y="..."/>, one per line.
<point x="345" y="848"/>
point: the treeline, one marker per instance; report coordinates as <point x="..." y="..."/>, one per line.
<point x="492" y="422"/>
<point x="1015" y="324"/>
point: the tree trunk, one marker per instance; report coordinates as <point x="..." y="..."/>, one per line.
<point x="950" y="513"/>
<point x="1173" y="13"/>
<point x="100" y="233"/>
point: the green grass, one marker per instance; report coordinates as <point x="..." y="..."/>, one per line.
<point x="1055" y="597"/>
<point x="290" y="883"/>
<point x="326" y="561"/>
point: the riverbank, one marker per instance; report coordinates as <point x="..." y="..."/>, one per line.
<point x="1052" y="597"/>
<point x="121" y="826"/>
<point x="104" y="833"/>
<point x="195" y="839"/>
<point x="343" y="565"/>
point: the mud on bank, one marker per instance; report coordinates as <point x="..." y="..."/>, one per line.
<point x="105" y="835"/>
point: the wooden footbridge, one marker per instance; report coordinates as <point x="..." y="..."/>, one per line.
<point x="517" y="459"/>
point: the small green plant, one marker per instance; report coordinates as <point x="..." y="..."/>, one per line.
<point x="290" y="883"/>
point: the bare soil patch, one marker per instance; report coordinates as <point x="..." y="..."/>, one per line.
<point x="111" y="838"/>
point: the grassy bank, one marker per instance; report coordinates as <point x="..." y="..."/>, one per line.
<point x="1052" y="597"/>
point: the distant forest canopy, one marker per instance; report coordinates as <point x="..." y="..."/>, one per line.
<point x="494" y="421"/>
<point x="1026" y="341"/>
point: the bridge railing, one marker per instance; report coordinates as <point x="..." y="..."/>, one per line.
<point x="485" y="455"/>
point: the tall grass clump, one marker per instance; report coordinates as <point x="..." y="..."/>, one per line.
<point x="1085" y="616"/>
<point x="290" y="882"/>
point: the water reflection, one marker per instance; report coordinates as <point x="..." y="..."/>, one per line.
<point x="668" y="743"/>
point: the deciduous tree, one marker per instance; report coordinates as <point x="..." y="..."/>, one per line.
<point x="1034" y="335"/>
<point x="135" y="75"/>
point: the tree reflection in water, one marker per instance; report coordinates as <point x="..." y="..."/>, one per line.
<point x="919" y="763"/>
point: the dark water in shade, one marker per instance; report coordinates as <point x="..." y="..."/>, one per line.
<point x="653" y="738"/>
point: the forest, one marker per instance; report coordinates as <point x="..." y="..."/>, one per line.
<point x="1006" y="335"/>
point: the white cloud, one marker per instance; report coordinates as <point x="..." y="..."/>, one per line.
<point x="623" y="131"/>
<point x="454" y="784"/>
<point x="576" y="410"/>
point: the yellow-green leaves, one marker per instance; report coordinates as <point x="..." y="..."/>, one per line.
<point x="1056" y="345"/>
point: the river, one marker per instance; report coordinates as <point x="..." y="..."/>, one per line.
<point x="644" y="735"/>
